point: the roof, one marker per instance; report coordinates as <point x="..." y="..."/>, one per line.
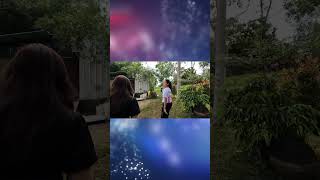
<point x="38" y="36"/>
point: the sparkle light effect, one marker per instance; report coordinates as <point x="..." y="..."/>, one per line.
<point x="142" y="30"/>
<point x="126" y="160"/>
<point x="160" y="149"/>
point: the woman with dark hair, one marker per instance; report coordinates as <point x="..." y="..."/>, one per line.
<point x="41" y="137"/>
<point x="122" y="101"/>
<point x="166" y="98"/>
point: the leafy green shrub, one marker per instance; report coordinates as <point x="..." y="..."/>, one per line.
<point x="152" y="95"/>
<point x="238" y="66"/>
<point x="174" y="89"/>
<point x="261" y="112"/>
<point x="303" y="83"/>
<point x="193" y="96"/>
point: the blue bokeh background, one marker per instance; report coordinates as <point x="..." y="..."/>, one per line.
<point x="160" y="149"/>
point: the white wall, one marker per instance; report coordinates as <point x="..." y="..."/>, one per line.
<point x="92" y="80"/>
<point x="141" y="85"/>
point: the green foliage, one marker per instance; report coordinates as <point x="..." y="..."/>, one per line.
<point x="132" y="69"/>
<point x="195" y="95"/>
<point x="205" y="66"/>
<point x="297" y="9"/>
<point x="135" y="70"/>
<point x="152" y="95"/>
<point x="305" y="15"/>
<point x="246" y="39"/>
<point x="303" y="83"/>
<point x="261" y="112"/>
<point x="164" y="70"/>
<point x="9" y="18"/>
<point x="74" y="24"/>
<point x="174" y="89"/>
<point x="253" y="47"/>
<point x="189" y="76"/>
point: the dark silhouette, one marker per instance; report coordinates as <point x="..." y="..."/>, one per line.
<point x="122" y="101"/>
<point x="40" y="135"/>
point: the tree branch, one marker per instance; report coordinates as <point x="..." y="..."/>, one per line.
<point x="268" y="11"/>
<point x="247" y="8"/>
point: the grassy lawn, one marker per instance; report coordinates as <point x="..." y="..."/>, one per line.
<point x="151" y="108"/>
<point x="101" y="141"/>
<point x="230" y="163"/>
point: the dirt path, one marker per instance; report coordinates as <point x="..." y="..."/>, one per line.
<point x="145" y="103"/>
<point x="101" y="142"/>
<point x="150" y="108"/>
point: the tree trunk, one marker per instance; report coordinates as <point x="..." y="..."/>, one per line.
<point x="220" y="50"/>
<point x="178" y="77"/>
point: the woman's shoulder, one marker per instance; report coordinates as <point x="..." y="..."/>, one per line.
<point x="132" y="100"/>
<point x="74" y="118"/>
<point x="167" y="89"/>
<point x="67" y="120"/>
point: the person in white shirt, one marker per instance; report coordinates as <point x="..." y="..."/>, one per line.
<point x="166" y="98"/>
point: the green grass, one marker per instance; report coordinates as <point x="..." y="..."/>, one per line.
<point x="230" y="163"/>
<point x="151" y="108"/>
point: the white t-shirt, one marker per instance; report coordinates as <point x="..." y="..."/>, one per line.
<point x="166" y="93"/>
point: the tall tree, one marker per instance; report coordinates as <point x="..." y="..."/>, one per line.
<point x="79" y="25"/>
<point x="305" y="15"/>
<point x="298" y="9"/>
<point x="220" y="52"/>
<point x="178" y="76"/>
<point x="164" y="70"/>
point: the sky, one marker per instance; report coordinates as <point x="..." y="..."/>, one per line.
<point x="155" y="149"/>
<point x="277" y="16"/>
<point x="160" y="30"/>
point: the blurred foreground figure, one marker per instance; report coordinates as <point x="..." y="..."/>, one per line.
<point x="122" y="101"/>
<point x="40" y="135"/>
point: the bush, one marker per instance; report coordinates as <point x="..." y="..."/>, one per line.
<point x="196" y="95"/>
<point x="303" y="83"/>
<point x="261" y="112"/>
<point x="237" y="66"/>
<point x="152" y="95"/>
<point x="174" y="89"/>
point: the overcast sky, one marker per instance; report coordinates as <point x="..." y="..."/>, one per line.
<point x="277" y="16"/>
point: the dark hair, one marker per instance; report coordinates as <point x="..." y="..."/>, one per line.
<point x="121" y="91"/>
<point x="38" y="74"/>
<point x="169" y="83"/>
<point x="35" y="87"/>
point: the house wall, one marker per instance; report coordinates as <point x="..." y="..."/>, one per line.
<point x="141" y="85"/>
<point x="93" y="84"/>
<point x="93" y="74"/>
